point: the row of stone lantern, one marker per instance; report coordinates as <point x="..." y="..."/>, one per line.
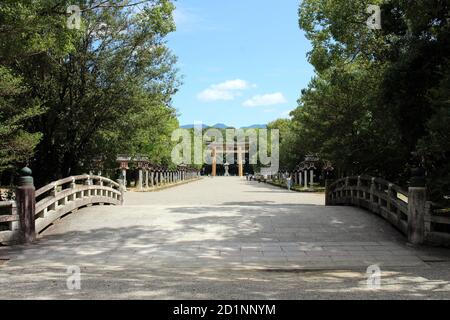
<point x="305" y="172"/>
<point x="151" y="175"/>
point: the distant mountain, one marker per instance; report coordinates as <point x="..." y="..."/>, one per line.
<point x="191" y="126"/>
<point x="224" y="126"/>
<point x="256" y="126"/>
<point x="220" y="126"/>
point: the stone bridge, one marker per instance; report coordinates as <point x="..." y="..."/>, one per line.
<point x="224" y="238"/>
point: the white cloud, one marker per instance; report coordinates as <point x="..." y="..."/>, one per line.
<point x="225" y="91"/>
<point x="232" y="85"/>
<point x="215" y="95"/>
<point x="266" y="100"/>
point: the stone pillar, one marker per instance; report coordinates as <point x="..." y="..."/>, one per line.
<point x="306" y="178"/>
<point x="26" y="205"/>
<point x="140" y="179"/>
<point x="214" y="162"/>
<point x="311" y="178"/>
<point x="300" y="178"/>
<point x="124" y="177"/>
<point x="240" y="162"/>
<point x="146" y="179"/>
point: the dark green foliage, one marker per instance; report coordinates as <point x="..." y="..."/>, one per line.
<point x="378" y="96"/>
<point x="89" y="92"/>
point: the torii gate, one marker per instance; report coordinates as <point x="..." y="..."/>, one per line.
<point x="239" y="148"/>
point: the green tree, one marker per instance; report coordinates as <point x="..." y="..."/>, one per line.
<point x="105" y="88"/>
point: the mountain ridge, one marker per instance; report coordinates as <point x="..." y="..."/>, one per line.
<point x="224" y="126"/>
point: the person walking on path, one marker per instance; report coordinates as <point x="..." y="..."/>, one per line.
<point x="289" y="182"/>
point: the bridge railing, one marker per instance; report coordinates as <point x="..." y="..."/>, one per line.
<point x="9" y="221"/>
<point x="33" y="211"/>
<point x="407" y="210"/>
<point x="67" y="195"/>
<point x="437" y="224"/>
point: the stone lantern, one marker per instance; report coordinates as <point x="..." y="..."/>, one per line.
<point x="142" y="162"/>
<point x="182" y="167"/>
<point x="307" y="167"/>
<point x="123" y="161"/>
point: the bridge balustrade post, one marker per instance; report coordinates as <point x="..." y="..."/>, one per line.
<point x="389" y="198"/>
<point x="358" y="189"/>
<point x="346" y="191"/>
<point x="372" y="190"/>
<point x="26" y="206"/>
<point x="88" y="182"/>
<point x="417" y="200"/>
<point x="73" y="184"/>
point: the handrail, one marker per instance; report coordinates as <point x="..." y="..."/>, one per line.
<point x="74" y="179"/>
<point x="392" y="202"/>
<point x="54" y="203"/>
<point x="374" y="194"/>
<point x="58" y="199"/>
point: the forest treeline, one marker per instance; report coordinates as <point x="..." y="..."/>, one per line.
<point x="380" y="99"/>
<point x="70" y="95"/>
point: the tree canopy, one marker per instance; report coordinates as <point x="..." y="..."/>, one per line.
<point x="378" y="96"/>
<point x="68" y="95"/>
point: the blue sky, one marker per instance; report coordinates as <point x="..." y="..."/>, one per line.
<point x="243" y="61"/>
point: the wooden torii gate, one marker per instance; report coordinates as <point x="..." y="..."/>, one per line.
<point x="223" y="148"/>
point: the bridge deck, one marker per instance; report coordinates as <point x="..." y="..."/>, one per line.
<point x="224" y="226"/>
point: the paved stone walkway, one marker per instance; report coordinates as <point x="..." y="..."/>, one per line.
<point x="222" y="238"/>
